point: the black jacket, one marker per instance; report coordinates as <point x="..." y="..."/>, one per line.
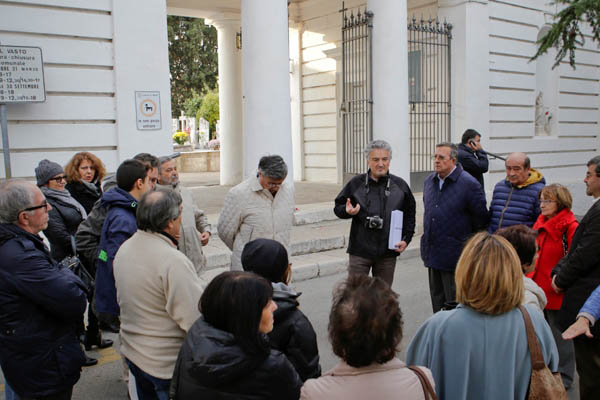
<point x="293" y="334"/>
<point x="579" y="271"/>
<point x="85" y="195"/>
<point x="373" y="243"/>
<point x="211" y="365"/>
<point x="40" y="306"/>
<point x="63" y="221"/>
<point x="474" y="162"/>
<point x="87" y="237"/>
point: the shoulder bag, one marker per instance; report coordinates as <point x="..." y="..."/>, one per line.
<point x="543" y="384"/>
<point x="427" y="388"/>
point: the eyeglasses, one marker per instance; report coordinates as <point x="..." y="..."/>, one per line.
<point x="440" y="158"/>
<point x="58" y="178"/>
<point x="547" y="201"/>
<point x="44" y="205"/>
<point x="273" y="185"/>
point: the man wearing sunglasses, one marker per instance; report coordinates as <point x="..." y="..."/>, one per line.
<point x="40" y="304"/>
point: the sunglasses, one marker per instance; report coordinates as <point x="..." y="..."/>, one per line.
<point x="43" y="205"/>
<point x="59" y="178"/>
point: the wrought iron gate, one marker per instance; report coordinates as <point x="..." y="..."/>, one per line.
<point x="428" y="93"/>
<point x="357" y="90"/>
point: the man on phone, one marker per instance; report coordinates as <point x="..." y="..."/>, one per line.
<point x="471" y="155"/>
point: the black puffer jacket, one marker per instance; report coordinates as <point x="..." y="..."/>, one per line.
<point x="211" y="365"/>
<point x="86" y="195"/>
<point x="40" y="306"/>
<point x="373" y="243"/>
<point x="293" y="333"/>
<point x="87" y="237"/>
<point x="63" y="221"/>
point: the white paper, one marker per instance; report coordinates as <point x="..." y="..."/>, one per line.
<point x="395" y="229"/>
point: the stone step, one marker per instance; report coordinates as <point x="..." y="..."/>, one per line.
<point x="305" y="239"/>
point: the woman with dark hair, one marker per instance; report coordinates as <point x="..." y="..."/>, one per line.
<point x="365" y="330"/>
<point x="226" y="353"/>
<point x="84" y="174"/>
<point x="292" y="334"/>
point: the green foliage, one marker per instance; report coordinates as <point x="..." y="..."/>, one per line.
<point x="192" y="59"/>
<point x="209" y="110"/>
<point x="192" y="104"/>
<point x="565" y="33"/>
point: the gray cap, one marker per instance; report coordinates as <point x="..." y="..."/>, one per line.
<point x="45" y="170"/>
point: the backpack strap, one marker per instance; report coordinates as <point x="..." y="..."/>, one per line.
<point x="427" y="388"/>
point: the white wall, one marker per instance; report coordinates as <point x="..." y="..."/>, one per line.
<point x="90" y="102"/>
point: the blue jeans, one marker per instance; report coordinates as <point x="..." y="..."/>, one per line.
<point x="148" y="387"/>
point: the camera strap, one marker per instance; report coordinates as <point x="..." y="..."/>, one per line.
<point x="386" y="192"/>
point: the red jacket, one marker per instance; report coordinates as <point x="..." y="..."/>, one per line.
<point x="551" y="250"/>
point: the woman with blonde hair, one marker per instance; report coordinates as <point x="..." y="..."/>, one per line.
<point x="479" y="350"/>
<point x="84" y="174"/>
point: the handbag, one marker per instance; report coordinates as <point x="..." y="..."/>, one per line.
<point x="543" y="384"/>
<point x="76" y="266"/>
<point x="427" y="388"/>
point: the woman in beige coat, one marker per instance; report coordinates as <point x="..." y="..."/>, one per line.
<point x="365" y="330"/>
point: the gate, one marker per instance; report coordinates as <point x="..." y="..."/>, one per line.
<point x="428" y="93"/>
<point x="357" y="90"/>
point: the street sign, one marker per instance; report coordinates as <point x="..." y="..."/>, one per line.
<point x="147" y="110"/>
<point x="21" y="75"/>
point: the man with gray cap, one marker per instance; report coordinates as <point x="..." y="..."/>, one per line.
<point x="260" y="207"/>
<point x="195" y="229"/>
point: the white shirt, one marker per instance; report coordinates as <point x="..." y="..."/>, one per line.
<point x="443" y="179"/>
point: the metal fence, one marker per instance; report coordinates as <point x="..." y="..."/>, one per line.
<point x="357" y="90"/>
<point x="428" y="91"/>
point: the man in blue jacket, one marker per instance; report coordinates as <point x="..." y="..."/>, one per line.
<point x="119" y="225"/>
<point x="515" y="199"/>
<point x="471" y="155"/>
<point x="455" y="208"/>
<point x="40" y="304"/>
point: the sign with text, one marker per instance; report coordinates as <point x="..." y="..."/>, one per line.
<point x="21" y="75"/>
<point x="147" y="110"/>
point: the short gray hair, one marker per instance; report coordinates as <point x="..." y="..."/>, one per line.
<point x="378" y="144"/>
<point x="451" y="146"/>
<point x="157" y="208"/>
<point x="595" y="161"/>
<point x="15" y="195"/>
<point x="273" y="167"/>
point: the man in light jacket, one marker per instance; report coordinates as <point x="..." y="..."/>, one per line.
<point x="260" y="207"/>
<point x="195" y="229"/>
<point x="158" y="292"/>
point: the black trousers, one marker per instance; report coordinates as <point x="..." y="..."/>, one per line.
<point x="382" y="267"/>
<point x="66" y="395"/>
<point x="442" y="288"/>
<point x="587" y="360"/>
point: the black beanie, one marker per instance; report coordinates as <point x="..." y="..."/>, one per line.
<point x="265" y="257"/>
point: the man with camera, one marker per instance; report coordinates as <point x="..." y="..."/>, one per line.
<point x="369" y="200"/>
<point x="455" y="208"/>
<point x="471" y="155"/>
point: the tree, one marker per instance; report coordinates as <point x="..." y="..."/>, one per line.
<point x="192" y="59"/>
<point x="565" y="34"/>
<point x="209" y="109"/>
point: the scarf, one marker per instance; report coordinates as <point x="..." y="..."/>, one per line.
<point x="65" y="196"/>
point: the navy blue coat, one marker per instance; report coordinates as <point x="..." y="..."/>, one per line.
<point x="512" y="205"/>
<point x="40" y="307"/>
<point x="119" y="226"/>
<point x="451" y="216"/>
<point x="474" y="162"/>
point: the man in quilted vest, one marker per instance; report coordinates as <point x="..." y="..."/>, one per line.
<point x="260" y="207"/>
<point x="515" y="199"/>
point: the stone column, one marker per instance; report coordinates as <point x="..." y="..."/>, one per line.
<point x="266" y="83"/>
<point x="230" y="100"/>
<point x="390" y="81"/>
<point x="470" y="65"/>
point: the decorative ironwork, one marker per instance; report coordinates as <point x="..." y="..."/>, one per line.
<point x="357" y="89"/>
<point x="428" y="92"/>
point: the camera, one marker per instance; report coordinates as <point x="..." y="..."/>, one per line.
<point x="374" y="222"/>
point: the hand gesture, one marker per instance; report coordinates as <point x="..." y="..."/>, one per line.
<point x="581" y="326"/>
<point x="352" y="210"/>
<point x="204" y="236"/>
<point x="400" y="247"/>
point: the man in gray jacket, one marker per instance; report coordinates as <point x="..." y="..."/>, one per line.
<point x="195" y="229"/>
<point x="260" y="207"/>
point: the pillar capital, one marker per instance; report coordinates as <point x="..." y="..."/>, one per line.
<point x="224" y="20"/>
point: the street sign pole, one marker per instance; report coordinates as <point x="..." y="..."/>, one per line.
<point x="5" y="148"/>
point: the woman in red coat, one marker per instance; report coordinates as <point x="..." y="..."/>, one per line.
<point x="556" y="226"/>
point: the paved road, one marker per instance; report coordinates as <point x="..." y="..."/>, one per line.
<point x="104" y="380"/>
